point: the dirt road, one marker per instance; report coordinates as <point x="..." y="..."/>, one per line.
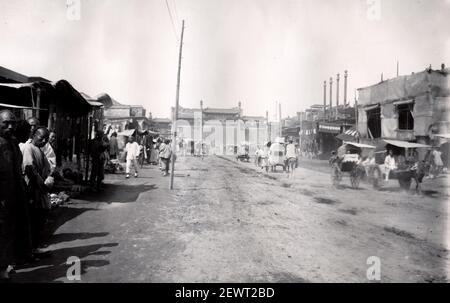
<point x="230" y="222"/>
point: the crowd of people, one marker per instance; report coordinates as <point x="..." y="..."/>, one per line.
<point x="138" y="150"/>
<point x="28" y="169"/>
<point x="27" y="164"/>
<point x="270" y="155"/>
<point x="429" y="167"/>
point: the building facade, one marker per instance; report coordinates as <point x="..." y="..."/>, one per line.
<point x="220" y="128"/>
<point x="411" y="108"/>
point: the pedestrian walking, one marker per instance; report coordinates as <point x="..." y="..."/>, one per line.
<point x="132" y="150"/>
<point x="291" y="158"/>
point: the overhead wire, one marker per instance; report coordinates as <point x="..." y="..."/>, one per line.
<point x="171" y="19"/>
<point x="176" y="11"/>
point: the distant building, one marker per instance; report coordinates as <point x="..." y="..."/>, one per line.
<point x="162" y="126"/>
<point x="197" y="123"/>
<point x="410" y="108"/>
<point x="320" y="133"/>
<point x="120" y="117"/>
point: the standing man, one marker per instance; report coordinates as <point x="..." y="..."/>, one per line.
<point x="37" y="176"/>
<point x="34" y="123"/>
<point x="437" y="162"/>
<point x="49" y="150"/>
<point x="113" y="146"/>
<point x="98" y="148"/>
<point x="14" y="220"/>
<point x="291" y="157"/>
<point x="165" y="153"/>
<point x="132" y="150"/>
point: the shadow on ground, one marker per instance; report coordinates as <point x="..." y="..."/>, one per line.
<point x="67" y="237"/>
<point x="55" y="267"/>
<point x="61" y="215"/>
<point x="118" y="193"/>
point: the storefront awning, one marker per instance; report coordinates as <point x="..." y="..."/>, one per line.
<point x="445" y="136"/>
<point x="405" y="144"/>
<point x="360" y="145"/>
<point x="349" y="135"/>
<point x="126" y="133"/>
<point x="329" y="128"/>
<point x="21" y="107"/>
<point x="95" y="103"/>
<point x="404" y="102"/>
<point x="371" y="107"/>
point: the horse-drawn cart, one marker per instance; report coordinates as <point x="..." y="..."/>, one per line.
<point x="348" y="162"/>
<point x="404" y="172"/>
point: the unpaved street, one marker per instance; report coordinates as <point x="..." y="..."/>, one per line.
<point x="230" y="222"/>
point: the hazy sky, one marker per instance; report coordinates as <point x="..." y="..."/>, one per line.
<point x="255" y="51"/>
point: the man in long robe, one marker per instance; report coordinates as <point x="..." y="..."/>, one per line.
<point x="37" y="171"/>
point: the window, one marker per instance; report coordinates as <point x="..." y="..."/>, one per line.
<point x="405" y="117"/>
<point x="374" y="123"/>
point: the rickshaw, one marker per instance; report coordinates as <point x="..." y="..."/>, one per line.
<point x="348" y="162"/>
<point x="404" y="173"/>
<point x="277" y="154"/>
<point x="243" y="152"/>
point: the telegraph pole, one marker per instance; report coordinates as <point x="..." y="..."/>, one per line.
<point x="337" y="95"/>
<point x="324" y="100"/>
<point x="279" y="113"/>
<point x="174" y="143"/>
<point x="201" y="128"/>
<point x="345" y="88"/>
<point x="331" y="98"/>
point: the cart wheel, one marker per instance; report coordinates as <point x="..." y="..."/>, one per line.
<point x="405" y="183"/>
<point x="354" y="179"/>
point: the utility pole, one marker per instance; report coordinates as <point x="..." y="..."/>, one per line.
<point x="331" y="97"/>
<point x="201" y="128"/>
<point x="397" y="67"/>
<point x="324" y="100"/>
<point x="174" y="143"/>
<point x="356" y="113"/>
<point x="337" y="95"/>
<point x="345" y="88"/>
<point x="279" y="114"/>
